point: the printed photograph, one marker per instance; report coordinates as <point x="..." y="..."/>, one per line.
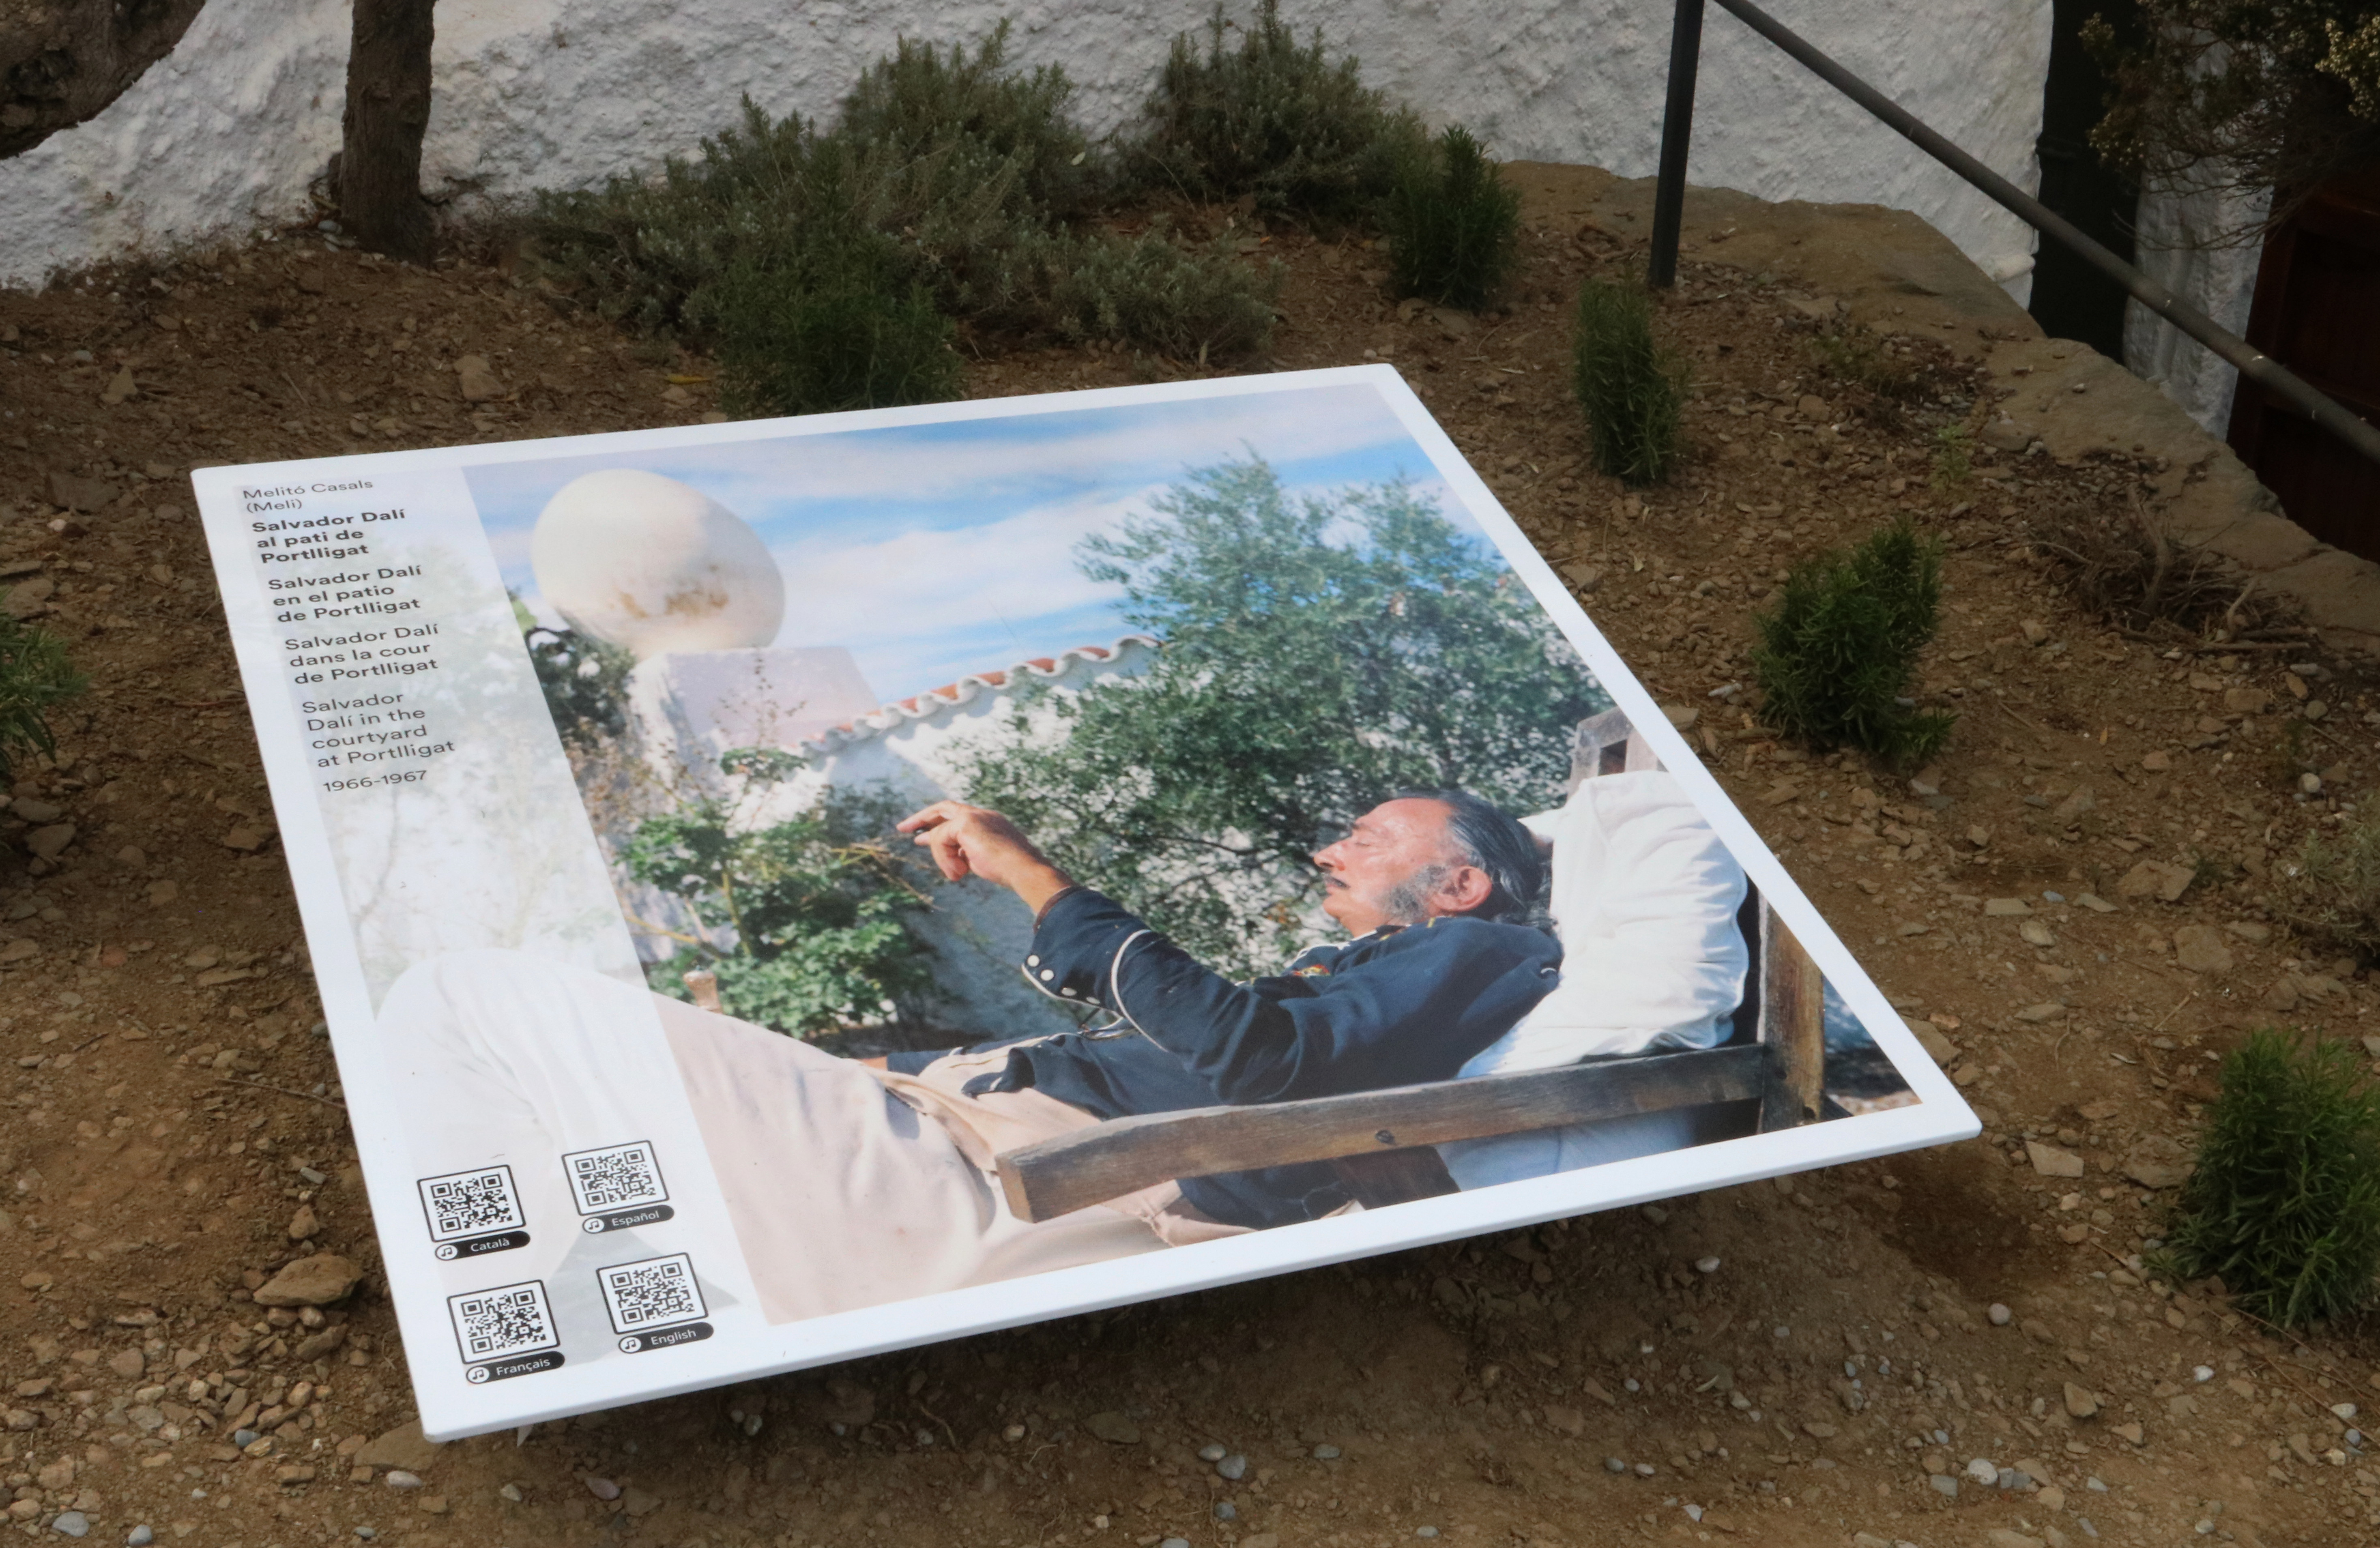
<point x="1050" y="837"/>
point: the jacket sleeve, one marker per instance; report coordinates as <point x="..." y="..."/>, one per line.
<point x="1413" y="1010"/>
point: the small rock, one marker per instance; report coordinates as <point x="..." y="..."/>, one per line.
<point x="1985" y="1471"/>
<point x="1569" y="1422"/>
<point x="140" y="1537"/>
<point x="1226" y="1511"/>
<point x="602" y="1488"/>
<point x="2132" y="1433"/>
<point x="476" y="380"/>
<point x="72" y="1523"/>
<point x="2034" y="634"/>
<point x="127" y="1363"/>
<point x="1999" y="1315"/>
<point x="317" y="1281"/>
<point x="511" y="1492"/>
<point x="2081" y="1402"/>
<point x="2200" y="948"/>
<point x="637" y="1502"/>
<point x="1938" y="1048"/>
<point x="2035" y="933"/>
<point x="2095" y="903"/>
<point x="2047" y="1011"/>
<point x="1945" y="1485"/>
<point x="2005" y="434"/>
<point x="2157" y="879"/>
<point x="2250" y="931"/>
<point x="2247" y="701"/>
<point x="429" y="1505"/>
<point x="403" y="1446"/>
<point x="81" y="494"/>
<point x="2158" y="1162"/>
<point x="2006" y="908"/>
<point x="1213" y="1453"/>
<point x="304" y="1224"/>
<point x="1175" y="1542"/>
<point x="1326" y="1453"/>
<point x="2072" y="808"/>
<point x="1614" y="1465"/>
<point x="1113" y="1428"/>
<point x="2049" y="1161"/>
<point x="399" y="1479"/>
<point x="1706" y="1265"/>
<point x="36" y="812"/>
<point x="48" y="843"/>
<point x="2310" y="784"/>
<point x="1234" y="1467"/>
<point x="2157" y="762"/>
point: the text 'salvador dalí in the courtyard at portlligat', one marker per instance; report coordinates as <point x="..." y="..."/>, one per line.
<point x="785" y="890"/>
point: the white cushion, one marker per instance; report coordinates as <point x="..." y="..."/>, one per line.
<point x="1644" y="898"/>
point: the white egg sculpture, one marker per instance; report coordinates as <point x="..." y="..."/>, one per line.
<point x="654" y="565"/>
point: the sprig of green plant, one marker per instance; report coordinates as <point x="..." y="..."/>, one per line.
<point x="2335" y="884"/>
<point x="1454" y="224"/>
<point x="2285" y="1202"/>
<point x="1632" y="391"/>
<point x="35" y="678"/>
<point x="1953" y="460"/>
<point x="1838" y="653"/>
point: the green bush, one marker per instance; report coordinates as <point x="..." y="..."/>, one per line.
<point x="1633" y="392"/>
<point x="1151" y="291"/>
<point x="1454" y="224"/>
<point x="840" y="332"/>
<point x="1271" y="120"/>
<point x="35" y="678"/>
<point x="2285" y="1202"/>
<point x="953" y="174"/>
<point x="1839" y="651"/>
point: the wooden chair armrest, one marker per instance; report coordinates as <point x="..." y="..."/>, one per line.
<point x="1123" y="1156"/>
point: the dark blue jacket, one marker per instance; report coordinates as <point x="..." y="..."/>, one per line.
<point x="1398" y="1007"/>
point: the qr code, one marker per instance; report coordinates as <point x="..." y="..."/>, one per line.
<point x="471" y="1203"/>
<point x="653" y="1293"/>
<point x="621" y="1178"/>
<point x="509" y="1320"/>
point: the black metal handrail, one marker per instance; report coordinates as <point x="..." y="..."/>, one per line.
<point x="1670" y="205"/>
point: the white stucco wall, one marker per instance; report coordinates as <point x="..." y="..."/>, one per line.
<point x="228" y="131"/>
<point x="2182" y="241"/>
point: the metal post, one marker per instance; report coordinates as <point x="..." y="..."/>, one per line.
<point x="1677" y="134"/>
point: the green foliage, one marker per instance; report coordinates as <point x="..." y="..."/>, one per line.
<point x="819" y="905"/>
<point x="585" y="681"/>
<point x="2240" y="95"/>
<point x="1272" y="121"/>
<point x="35" y="678"/>
<point x="1454" y="224"/>
<point x="840" y="332"/>
<point x="1858" y="358"/>
<point x="1839" y="651"/>
<point x="1632" y="391"/>
<point x="1320" y="655"/>
<point x="1155" y="292"/>
<point x="2336" y="884"/>
<point x="947" y="174"/>
<point x="1953" y="458"/>
<point x="2285" y="1202"/>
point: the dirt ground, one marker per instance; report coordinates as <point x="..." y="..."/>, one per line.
<point x="1807" y="1361"/>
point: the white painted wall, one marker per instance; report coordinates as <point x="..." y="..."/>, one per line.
<point x="226" y="133"/>
<point x="2180" y="242"/>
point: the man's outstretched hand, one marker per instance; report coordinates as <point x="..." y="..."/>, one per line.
<point x="972" y="840"/>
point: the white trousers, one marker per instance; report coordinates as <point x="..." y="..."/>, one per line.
<point x="841" y="1196"/>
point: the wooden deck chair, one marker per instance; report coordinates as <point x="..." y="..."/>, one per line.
<point x="1380" y="1141"/>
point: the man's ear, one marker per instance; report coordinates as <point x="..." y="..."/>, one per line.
<point x="1464" y="888"/>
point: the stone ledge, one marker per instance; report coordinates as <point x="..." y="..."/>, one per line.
<point x="1887" y="270"/>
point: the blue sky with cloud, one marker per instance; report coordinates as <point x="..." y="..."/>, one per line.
<point x="934" y="550"/>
